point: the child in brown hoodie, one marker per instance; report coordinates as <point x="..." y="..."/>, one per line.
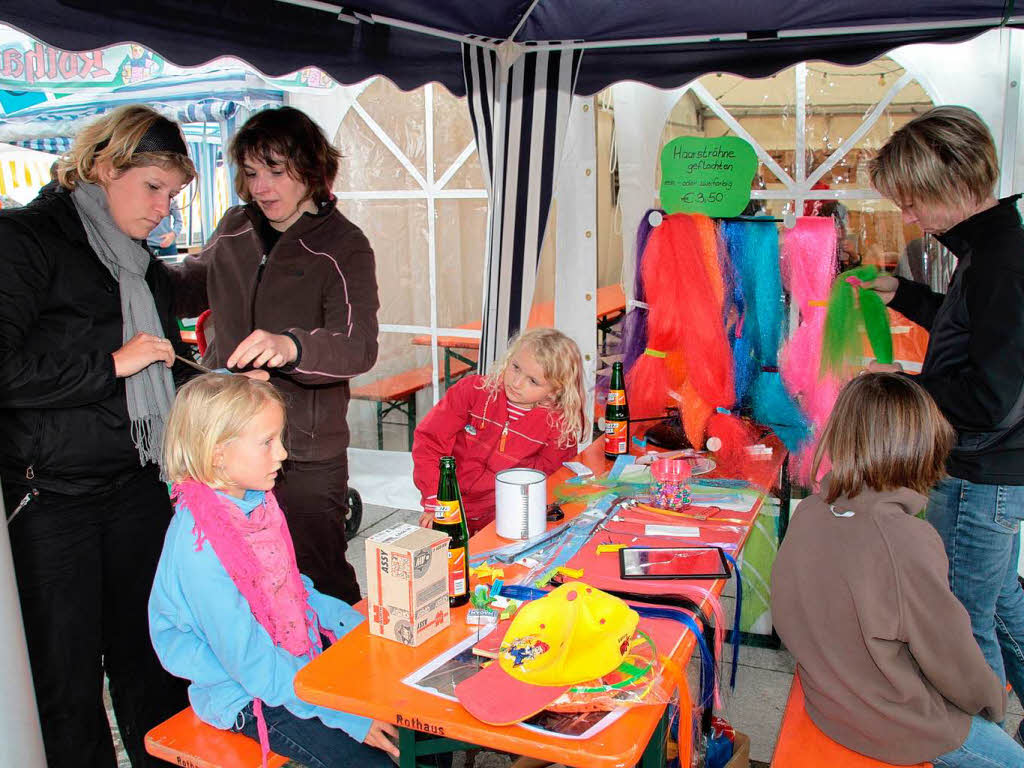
<point x="860" y="596"/>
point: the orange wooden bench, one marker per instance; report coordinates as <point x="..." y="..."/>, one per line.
<point x="398" y="393"/>
<point x="801" y="744"/>
<point x="187" y="741"/>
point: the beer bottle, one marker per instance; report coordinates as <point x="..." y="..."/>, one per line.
<point x="616" y="416"/>
<point x="450" y="518"/>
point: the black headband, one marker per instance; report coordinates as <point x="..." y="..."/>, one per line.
<point x="162" y="136"/>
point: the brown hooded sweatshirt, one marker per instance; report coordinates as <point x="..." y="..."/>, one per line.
<point x="316" y="284"/>
<point x="884" y="650"/>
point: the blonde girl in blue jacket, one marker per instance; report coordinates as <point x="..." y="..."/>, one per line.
<point x="229" y="610"/>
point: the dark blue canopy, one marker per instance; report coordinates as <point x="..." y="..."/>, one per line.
<point x="381" y="36"/>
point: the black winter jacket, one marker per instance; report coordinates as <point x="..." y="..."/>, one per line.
<point x="64" y="422"/>
<point x="974" y="366"/>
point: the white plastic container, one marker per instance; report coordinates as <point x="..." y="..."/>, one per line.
<point x="520" y="497"/>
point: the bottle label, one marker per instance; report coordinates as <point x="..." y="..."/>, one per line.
<point x="616" y="397"/>
<point x="615" y="437"/>
<point x="456" y="571"/>
<point x="447" y="512"/>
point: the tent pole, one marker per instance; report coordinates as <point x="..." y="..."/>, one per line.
<point x="373" y="18"/>
<point x="1014" y="46"/>
<point x="522" y="21"/>
<point x="779" y="34"/>
<point x="576" y="242"/>
<point x="21" y="741"/>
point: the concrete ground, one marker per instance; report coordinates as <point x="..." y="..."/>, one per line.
<point x="762" y="680"/>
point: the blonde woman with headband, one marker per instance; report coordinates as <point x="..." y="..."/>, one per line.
<point x="528" y="412"/>
<point x="87" y="345"/>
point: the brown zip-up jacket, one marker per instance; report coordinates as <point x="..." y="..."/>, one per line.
<point x="885" y="652"/>
<point x="318" y="285"/>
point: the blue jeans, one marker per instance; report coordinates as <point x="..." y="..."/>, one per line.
<point x="987" y="746"/>
<point x="310" y="742"/>
<point x="980" y="528"/>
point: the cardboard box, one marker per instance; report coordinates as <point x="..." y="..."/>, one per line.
<point x="407" y="583"/>
<point x="740" y="752"/>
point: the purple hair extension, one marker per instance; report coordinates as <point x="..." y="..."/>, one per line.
<point x="634" y="327"/>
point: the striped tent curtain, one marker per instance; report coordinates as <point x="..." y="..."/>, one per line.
<point x="520" y="111"/>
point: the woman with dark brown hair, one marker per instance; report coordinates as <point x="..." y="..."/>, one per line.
<point x="292" y="289"/>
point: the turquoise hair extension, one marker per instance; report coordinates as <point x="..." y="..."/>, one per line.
<point x="754" y="250"/>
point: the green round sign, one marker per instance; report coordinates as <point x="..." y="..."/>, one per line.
<point x="709" y="176"/>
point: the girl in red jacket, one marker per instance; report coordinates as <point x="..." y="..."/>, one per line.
<point x="528" y="412"/>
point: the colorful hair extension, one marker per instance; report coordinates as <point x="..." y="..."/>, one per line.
<point x="842" y="344"/>
<point x="634" y="326"/>
<point x="708" y="394"/>
<point x="648" y="383"/>
<point x="739" y="340"/>
<point x="754" y="248"/>
<point x="809" y="263"/>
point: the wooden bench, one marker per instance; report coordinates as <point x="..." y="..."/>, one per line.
<point x="187" y="741"/>
<point x="398" y="393"/>
<point x="801" y="744"/>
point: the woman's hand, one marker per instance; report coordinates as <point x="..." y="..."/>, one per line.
<point x="378" y="737"/>
<point x="263" y="349"/>
<point x="884" y="285"/>
<point x="426" y="519"/>
<point x="142" y="350"/>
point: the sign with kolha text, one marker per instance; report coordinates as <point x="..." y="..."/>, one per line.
<point x="707" y="175"/>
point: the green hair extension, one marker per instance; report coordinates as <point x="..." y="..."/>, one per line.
<point x="841" y="342"/>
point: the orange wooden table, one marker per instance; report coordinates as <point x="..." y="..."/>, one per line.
<point x="362" y="675"/>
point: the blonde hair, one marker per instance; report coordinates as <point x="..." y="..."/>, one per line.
<point x="885" y="432"/>
<point x="559" y="358"/>
<point x="210" y="410"/>
<point x="114" y="137"/>
<point x="945" y="155"/>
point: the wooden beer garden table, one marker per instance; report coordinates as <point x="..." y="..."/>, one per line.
<point x="611" y="307"/>
<point x="362" y="674"/>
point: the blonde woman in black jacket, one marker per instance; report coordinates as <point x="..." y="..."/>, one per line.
<point x="87" y="344"/>
<point x="941" y="169"/>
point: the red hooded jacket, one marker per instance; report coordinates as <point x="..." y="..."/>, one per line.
<point x="471" y="424"/>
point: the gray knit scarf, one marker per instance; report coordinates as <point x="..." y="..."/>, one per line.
<point x="150" y="392"/>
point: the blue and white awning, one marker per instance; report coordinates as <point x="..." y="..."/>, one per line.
<point x="55" y="146"/>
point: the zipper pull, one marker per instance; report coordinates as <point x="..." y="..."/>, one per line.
<point x="22" y="504"/>
<point x="504" y="437"/>
<point x="30" y="473"/>
<point x="263" y="260"/>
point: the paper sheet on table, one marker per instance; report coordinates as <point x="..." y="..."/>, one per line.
<point x="440" y="676"/>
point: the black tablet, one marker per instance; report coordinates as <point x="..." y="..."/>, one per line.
<point x="673" y="563"/>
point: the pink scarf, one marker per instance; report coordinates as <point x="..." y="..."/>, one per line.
<point x="258" y="554"/>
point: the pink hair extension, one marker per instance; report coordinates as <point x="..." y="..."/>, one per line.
<point x="809" y="259"/>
